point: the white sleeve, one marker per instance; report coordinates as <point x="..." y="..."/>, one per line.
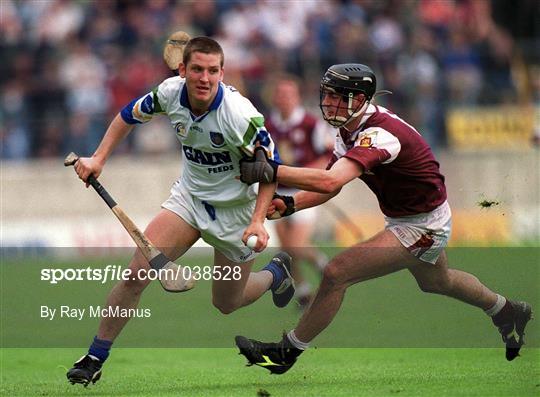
<point x="245" y="126"/>
<point x="379" y="138"/>
<point x="142" y="109"/>
<point x="167" y="92"/>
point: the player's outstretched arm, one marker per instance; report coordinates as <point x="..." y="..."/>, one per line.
<point x="304" y="199"/>
<point x="86" y="166"/>
<point x="259" y="168"/>
<point x="282" y="206"/>
<point x="320" y="181"/>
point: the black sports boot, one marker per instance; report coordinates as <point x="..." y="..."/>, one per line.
<point x="87" y="369"/>
<point x="278" y="358"/>
<point x="513" y="329"/>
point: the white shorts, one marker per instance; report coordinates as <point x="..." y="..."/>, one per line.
<point x="221" y="227"/>
<point x="424" y="235"/>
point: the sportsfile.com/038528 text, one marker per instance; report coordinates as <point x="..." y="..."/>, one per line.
<point x="116" y="273"/>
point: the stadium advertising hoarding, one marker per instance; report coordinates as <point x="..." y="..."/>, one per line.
<point x="492" y="128"/>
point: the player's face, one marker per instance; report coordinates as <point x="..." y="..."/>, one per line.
<point x="337" y="109"/>
<point x="286" y="96"/>
<point x="203" y="74"/>
<point x="330" y="103"/>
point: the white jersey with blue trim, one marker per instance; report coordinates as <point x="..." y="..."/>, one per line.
<point x="213" y="143"/>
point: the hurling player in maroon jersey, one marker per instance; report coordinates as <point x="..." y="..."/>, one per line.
<point x="396" y="163"/>
<point x="304" y="140"/>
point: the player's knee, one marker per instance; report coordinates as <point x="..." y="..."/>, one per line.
<point x="225" y="307"/>
<point x="333" y="274"/>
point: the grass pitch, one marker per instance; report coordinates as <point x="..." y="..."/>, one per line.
<point x="319" y="372"/>
<point x="389" y="339"/>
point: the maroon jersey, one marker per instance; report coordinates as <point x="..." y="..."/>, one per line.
<point x="301" y="139"/>
<point x="398" y="164"/>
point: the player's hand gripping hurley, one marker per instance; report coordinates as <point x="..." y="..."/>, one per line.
<point x="171" y="280"/>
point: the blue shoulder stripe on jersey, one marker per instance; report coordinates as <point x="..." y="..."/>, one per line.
<point x="264" y="139"/>
<point x="184" y="101"/>
<point x="126" y="113"/>
<point x="147" y="107"/>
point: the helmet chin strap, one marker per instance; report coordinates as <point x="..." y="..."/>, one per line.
<point x="351" y="112"/>
<point x="337" y="121"/>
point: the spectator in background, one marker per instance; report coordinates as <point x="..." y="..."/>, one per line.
<point x="59" y="20"/>
<point x="205" y="17"/>
<point x="461" y="68"/>
<point x="14" y="133"/>
<point x="284" y="26"/>
<point x="11" y="26"/>
<point x="102" y="29"/>
<point x="419" y="73"/>
<point x="495" y="48"/>
<point x="85" y="79"/>
<point x="303" y="140"/>
<point x="46" y="105"/>
<point x="479" y="45"/>
<point x="386" y="36"/>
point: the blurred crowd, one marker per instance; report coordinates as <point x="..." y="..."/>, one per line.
<point x="69" y="66"/>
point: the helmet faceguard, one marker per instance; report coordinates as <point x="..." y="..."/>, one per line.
<point x="347" y="81"/>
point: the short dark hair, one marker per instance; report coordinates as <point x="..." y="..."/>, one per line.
<point x="203" y="44"/>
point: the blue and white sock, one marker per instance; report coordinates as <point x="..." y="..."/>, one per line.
<point x="100" y="349"/>
<point x="277" y="273"/>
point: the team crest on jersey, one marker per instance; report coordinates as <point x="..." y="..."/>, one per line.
<point x="180" y="129"/>
<point x="217" y="139"/>
<point x="367" y="140"/>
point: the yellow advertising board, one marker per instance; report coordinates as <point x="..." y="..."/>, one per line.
<point x="470" y="227"/>
<point x="491" y="128"/>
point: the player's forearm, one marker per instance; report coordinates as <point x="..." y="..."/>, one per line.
<point x="264" y="197"/>
<point x="117" y="131"/>
<point x="311" y="179"/>
<point x="321" y="181"/>
<point x="303" y="200"/>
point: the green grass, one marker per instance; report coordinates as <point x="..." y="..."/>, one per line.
<point x="389" y="338"/>
<point x="387" y="312"/>
<point x="319" y="372"/>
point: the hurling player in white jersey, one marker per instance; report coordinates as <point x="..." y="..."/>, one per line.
<point x="216" y="126"/>
<point x="395" y="162"/>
